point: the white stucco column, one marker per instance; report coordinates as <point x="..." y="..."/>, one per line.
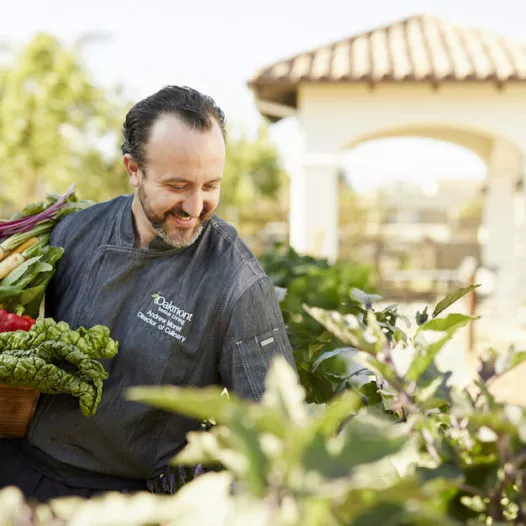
<point x="500" y="250"/>
<point x="314" y="207"/>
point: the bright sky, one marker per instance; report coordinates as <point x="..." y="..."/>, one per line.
<point x="215" y="46"/>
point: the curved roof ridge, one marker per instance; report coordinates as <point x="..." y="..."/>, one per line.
<point x="417" y="48"/>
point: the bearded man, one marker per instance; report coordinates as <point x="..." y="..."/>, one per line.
<point x="182" y="294"/>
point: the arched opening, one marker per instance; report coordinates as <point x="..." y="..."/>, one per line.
<point x="411" y="205"/>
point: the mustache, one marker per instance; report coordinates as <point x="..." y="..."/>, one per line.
<point x="180" y="212"/>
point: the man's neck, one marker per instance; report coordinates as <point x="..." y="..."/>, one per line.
<point x="142" y="231"/>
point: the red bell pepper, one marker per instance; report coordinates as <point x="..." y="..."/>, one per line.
<point x="12" y="322"/>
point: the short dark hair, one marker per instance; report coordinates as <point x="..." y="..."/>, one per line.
<point x="192" y="107"/>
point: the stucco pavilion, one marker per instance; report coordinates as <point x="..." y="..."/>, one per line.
<point x="422" y="77"/>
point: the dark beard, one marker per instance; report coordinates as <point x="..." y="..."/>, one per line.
<point x="160" y="223"/>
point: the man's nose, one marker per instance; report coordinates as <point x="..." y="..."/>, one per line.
<point x="193" y="204"/>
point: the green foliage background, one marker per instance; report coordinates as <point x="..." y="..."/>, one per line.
<point x="386" y="446"/>
<point x="53" y="121"/>
<point x="313" y="281"/>
<point x="58" y="127"/>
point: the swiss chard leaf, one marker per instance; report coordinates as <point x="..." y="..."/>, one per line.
<point x="7" y="293"/>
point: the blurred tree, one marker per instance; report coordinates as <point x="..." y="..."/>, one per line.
<point x="57" y="127"/>
<point x="254" y="190"/>
<point x="252" y="171"/>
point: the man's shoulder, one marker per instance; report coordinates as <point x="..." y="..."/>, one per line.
<point x="88" y="218"/>
<point x="99" y="210"/>
<point x="231" y="249"/>
<point x="228" y="241"/>
<point x="230" y="261"/>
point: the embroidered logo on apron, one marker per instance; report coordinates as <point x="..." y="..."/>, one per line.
<point x="167" y="317"/>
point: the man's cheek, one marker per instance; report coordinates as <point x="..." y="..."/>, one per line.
<point x="209" y="207"/>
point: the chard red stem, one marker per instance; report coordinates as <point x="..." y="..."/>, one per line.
<point x="8" y="228"/>
<point x="16" y="239"/>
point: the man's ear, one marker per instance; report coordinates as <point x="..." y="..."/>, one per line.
<point x="132" y="167"/>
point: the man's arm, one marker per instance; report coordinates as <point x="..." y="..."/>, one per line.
<point x="255" y="334"/>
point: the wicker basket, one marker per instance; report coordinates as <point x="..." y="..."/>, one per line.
<point x="17" y="407"/>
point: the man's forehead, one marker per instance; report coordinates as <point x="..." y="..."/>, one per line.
<point x="169" y="125"/>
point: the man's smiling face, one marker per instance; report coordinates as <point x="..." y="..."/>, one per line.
<point x="177" y="190"/>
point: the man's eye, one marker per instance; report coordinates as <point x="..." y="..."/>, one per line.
<point x="177" y="187"/>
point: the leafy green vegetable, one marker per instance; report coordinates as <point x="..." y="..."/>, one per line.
<point x="47" y="378"/>
<point x="26" y="285"/>
<point x="9" y="292"/>
<point x="17" y="239"/>
<point x="12" y="278"/>
<point x="35" y="358"/>
<point x="36" y="220"/>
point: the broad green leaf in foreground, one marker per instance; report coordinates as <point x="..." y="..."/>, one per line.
<point x="13" y="509"/>
<point x="247" y="442"/>
<point x="109" y="509"/>
<point x="451" y="322"/>
<point x="210" y="449"/>
<point x="324" y="426"/>
<point x="403" y="503"/>
<point x="188" y="505"/>
<point x="284" y="393"/>
<point x="283" y="401"/>
<point x="336" y="412"/>
<point x="452" y="298"/>
<point x="199" y="403"/>
<point x="366" y="438"/>
<point x="238" y="448"/>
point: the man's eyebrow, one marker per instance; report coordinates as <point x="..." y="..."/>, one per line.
<point x="176" y="179"/>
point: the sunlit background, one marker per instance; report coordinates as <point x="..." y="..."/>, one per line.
<point x="217" y="46"/>
<point x="420" y="198"/>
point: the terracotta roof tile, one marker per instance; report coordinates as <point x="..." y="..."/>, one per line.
<point x="420" y="48"/>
